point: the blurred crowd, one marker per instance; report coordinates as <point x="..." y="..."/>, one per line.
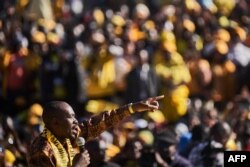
<point x="98" y="55"/>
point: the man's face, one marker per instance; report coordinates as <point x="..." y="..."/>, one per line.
<point x="167" y="153"/>
<point x="67" y="124"/>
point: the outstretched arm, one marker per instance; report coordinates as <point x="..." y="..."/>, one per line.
<point x="99" y="123"/>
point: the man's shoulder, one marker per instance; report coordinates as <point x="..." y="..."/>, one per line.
<point x="40" y="153"/>
<point x="40" y="144"/>
<point x="196" y="154"/>
<point x="181" y="161"/>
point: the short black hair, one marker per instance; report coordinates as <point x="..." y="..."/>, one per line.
<point x="51" y="109"/>
<point x="166" y="139"/>
<point x="220" y="128"/>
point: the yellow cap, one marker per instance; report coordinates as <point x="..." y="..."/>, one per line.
<point x="146" y="137"/>
<point x="230" y="66"/>
<point x="192" y="5"/>
<point x="9" y="157"/>
<point x="118" y="20"/>
<point x="189" y="25"/>
<point x="225" y="6"/>
<point x="35" y="113"/>
<point x="118" y="30"/>
<point x="53" y="38"/>
<point x="223" y="21"/>
<point x="167" y="36"/>
<point x="169" y="46"/>
<point x="98" y="16"/>
<point x="221" y="46"/>
<point x="241" y="33"/>
<point x="47" y="24"/>
<point x="36" y="109"/>
<point x="223" y="35"/>
<point x="157" y="116"/>
<point x="38" y="37"/>
<point x="149" y="24"/>
<point x="135" y="34"/>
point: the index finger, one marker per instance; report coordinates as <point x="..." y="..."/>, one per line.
<point x="157" y="97"/>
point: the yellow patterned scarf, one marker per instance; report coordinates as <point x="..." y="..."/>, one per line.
<point x="63" y="156"/>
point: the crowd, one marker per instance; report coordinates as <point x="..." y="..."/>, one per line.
<point x="98" y="55"/>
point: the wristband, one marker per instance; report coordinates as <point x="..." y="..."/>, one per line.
<point x="130" y="108"/>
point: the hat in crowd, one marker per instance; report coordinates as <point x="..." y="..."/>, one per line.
<point x="149" y="25"/>
<point x="36" y="109"/>
<point x="189" y="25"/>
<point x="48" y="24"/>
<point x="157" y="116"/>
<point x="135" y="34"/>
<point x="118" y="20"/>
<point x="146" y="137"/>
<point x="141" y="11"/>
<point x="167" y="36"/>
<point x="223" y="21"/>
<point x="222" y="34"/>
<point x="169" y="10"/>
<point x="166" y="139"/>
<point x="38" y="37"/>
<point x="225" y="7"/>
<point x="118" y="30"/>
<point x="241" y="33"/>
<point x="98" y="16"/>
<point x="220" y="129"/>
<point x="53" y="38"/>
<point x="192" y="5"/>
<point x="221" y="47"/>
<point x="98" y="37"/>
<point x="208" y="4"/>
<point x="180" y="129"/>
<point x="141" y="123"/>
<point x="168" y="41"/>
<point x="34" y="114"/>
<point x="169" y="46"/>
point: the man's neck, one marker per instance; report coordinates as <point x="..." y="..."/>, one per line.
<point x="62" y="141"/>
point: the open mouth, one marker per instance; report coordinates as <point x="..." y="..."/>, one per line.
<point x="76" y="131"/>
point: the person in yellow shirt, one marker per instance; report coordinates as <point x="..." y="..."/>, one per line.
<point x="174" y="75"/>
<point x="223" y="71"/>
<point x="101" y="74"/>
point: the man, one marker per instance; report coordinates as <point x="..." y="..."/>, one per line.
<point x="130" y="154"/>
<point x="53" y="147"/>
<point x="167" y="153"/>
<point x="141" y="80"/>
<point x="97" y="155"/>
<point x="174" y="75"/>
<point x="210" y="153"/>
